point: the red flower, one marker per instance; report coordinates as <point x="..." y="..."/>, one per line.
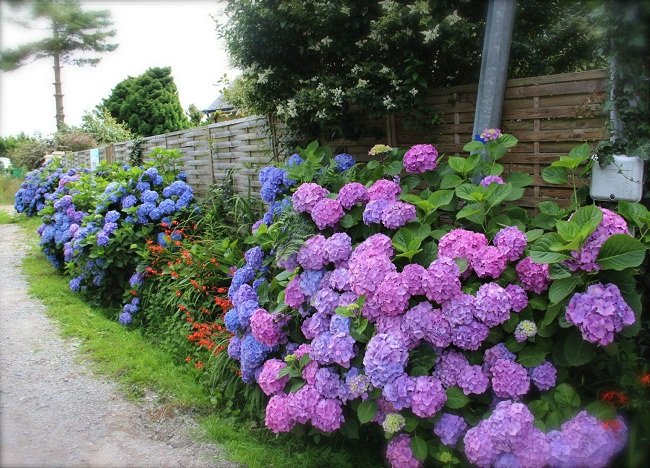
<point x="616" y="399"/>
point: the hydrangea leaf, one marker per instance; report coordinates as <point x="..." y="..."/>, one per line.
<point x="473" y="145"/>
<point x="561" y="288"/>
<point x="621" y="251"/>
<point x="366" y="411"/>
<point x="551" y="208"/>
<point x="519" y="179"/>
<point x="456" y="399"/>
<point x="577" y="351"/>
<point x="555" y="175"/>
<point x="540" y="251"/>
<point x="531" y="356"/>
<point x="601" y="410"/>
<point x="419" y="448"/>
<point x="450" y="181"/>
<point x="566" y="397"/>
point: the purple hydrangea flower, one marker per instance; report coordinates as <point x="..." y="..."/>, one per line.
<point x="377" y="244"/>
<point x="511" y="242"/>
<point x="391" y="295"/>
<point x="327" y="212"/>
<point x="585" y="258"/>
<point x="243" y="294"/>
<point x="315" y="325"/>
<point x="306" y="196"/>
<point x="399" y="391"/>
<point x="489" y="261"/>
<point x="493" y="304"/>
<point x="449" y="366"/>
<point x="450" y="428"/>
<point x="460" y="310"/>
<point x="327" y="382"/>
<point x="544" y="376"/>
<point x="326" y="300"/>
<point x="397" y="214"/>
<point x="234" y="348"/>
<point x="267" y="328"/>
<point x="310" y="281"/>
<point x="385" y="359"/>
<point x="328" y="415"/>
<point x="491" y="179"/>
<point x="358" y="385"/>
<point x="268" y="380"/>
<point x="429" y="396"/>
<point x="498" y="351"/>
<point x="302" y="403"/>
<point x="374" y="210"/>
<point x="293" y="296"/>
<point x="340" y="279"/>
<point x="599" y="313"/>
<point x="460" y="243"/>
<point x="490" y="134"/>
<point x="470" y="336"/>
<point x="311" y="255"/>
<point x="420" y="158"/>
<point x="472" y="379"/>
<point x="279" y="418"/>
<point x="384" y="189"/>
<point x="509" y="379"/>
<point x="352" y="194"/>
<point x="412" y="275"/>
<point x="399" y="453"/>
<point x="254" y="257"/>
<point x="367" y="273"/>
<point x="337" y="248"/>
<point x="518" y="297"/>
<point x="533" y="276"/>
<point x="442" y="283"/>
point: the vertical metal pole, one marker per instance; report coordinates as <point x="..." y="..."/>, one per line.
<point x="494" y="64"/>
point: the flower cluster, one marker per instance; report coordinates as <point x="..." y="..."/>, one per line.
<point x="31" y="196"/>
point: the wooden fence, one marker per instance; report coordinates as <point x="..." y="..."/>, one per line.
<point x="548" y="114"/>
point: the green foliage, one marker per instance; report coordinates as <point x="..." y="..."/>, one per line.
<point x="104" y="128"/>
<point x="311" y="61"/>
<point x="28" y="152"/>
<point x="147" y="104"/>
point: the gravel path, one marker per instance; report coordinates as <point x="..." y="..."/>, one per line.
<point x="55" y="412"/>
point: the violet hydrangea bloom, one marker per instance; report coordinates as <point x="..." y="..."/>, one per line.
<point x="399" y="391"/>
<point x="327" y="213"/>
<point x="267" y="328"/>
<point x="498" y="351"/>
<point x="491" y="179"/>
<point x="337" y="248"/>
<point x="490" y="134"/>
<point x="429" y="396"/>
<point x="327" y="382"/>
<point x="352" y="194"/>
<point x="460" y="243"/>
<point x="328" y="415"/>
<point x="384" y="189"/>
<point x="460" y="310"/>
<point x="399" y="453"/>
<point x="374" y="210"/>
<point x="544" y="376"/>
<point x="391" y="295"/>
<point x="533" y="276"/>
<point x="441" y="283"/>
<point x="450" y="428"/>
<point x="518" y="297"/>
<point x="509" y="379"/>
<point x="472" y="379"/>
<point x="397" y="214"/>
<point x="493" y="304"/>
<point x="340" y="280"/>
<point x="511" y="241"/>
<point x="599" y="313"/>
<point x="293" y="296"/>
<point x="377" y="244"/>
<point x="268" y="380"/>
<point x="326" y="300"/>
<point x="489" y="262"/>
<point x="306" y="196"/>
<point x="585" y="258"/>
<point x="470" y="336"/>
<point x="302" y="404"/>
<point x="449" y="366"/>
<point x="278" y="416"/>
<point x="311" y="255"/>
<point x="412" y="275"/>
<point x="367" y="273"/>
<point x="420" y="158"/>
<point x="385" y="359"/>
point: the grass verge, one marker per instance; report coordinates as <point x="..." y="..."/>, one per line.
<point x="138" y="364"/>
<point x="8" y="188"/>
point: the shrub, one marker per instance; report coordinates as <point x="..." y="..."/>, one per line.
<point x="414" y="293"/>
<point x="31" y="196"/>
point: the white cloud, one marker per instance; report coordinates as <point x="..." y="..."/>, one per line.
<point x="180" y="34"/>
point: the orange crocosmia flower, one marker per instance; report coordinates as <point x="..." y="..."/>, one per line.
<point x="645" y="379"/>
<point x="188" y="359"/>
<point x="612" y="425"/>
<point x="615" y="398"/>
<point x="198" y="365"/>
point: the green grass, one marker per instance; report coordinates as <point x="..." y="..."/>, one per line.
<point x="6" y="218"/>
<point x="139" y="365"/>
<point x="8" y="188"/>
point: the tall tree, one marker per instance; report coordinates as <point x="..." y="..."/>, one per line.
<point x="71" y="31"/>
<point x="148" y="104"/>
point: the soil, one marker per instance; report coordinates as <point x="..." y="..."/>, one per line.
<point x="55" y="412"/>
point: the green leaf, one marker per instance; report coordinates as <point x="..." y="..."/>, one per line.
<point x="473" y="145"/>
<point x="539" y="408"/>
<point x="621" y="251"/>
<point x="534" y="234"/>
<point x="561" y="288"/>
<point x="518" y="179"/>
<point x="402" y="238"/>
<point x="411" y="181"/>
<point x="440" y="198"/>
<point x="350" y="430"/>
<point x="559" y="271"/>
<point x="531" y="356"/>
<point x="344" y="311"/>
<point x="419" y="448"/>
<point x="565" y="396"/>
<point x="428" y="254"/>
<point x="457" y="164"/>
<point x="601" y="410"/>
<point x="366" y="411"/>
<point x="475" y="212"/>
<point x="577" y="351"/>
<point x="466" y="192"/>
<point x="551" y="209"/>
<point x="296" y="385"/>
<point x="540" y="251"/>
<point x="588" y="218"/>
<point x="568" y="230"/>
<point x="456" y="399"/>
<point x="394" y="168"/>
<point x="450" y="181"/>
<point x="495" y="169"/>
<point x="555" y="175"/>
<point x="507" y="141"/>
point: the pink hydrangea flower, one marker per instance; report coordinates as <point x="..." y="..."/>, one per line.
<point x="384" y="190"/>
<point x="420" y="158"/>
<point x="327" y="213"/>
<point x="306" y="196"/>
<point x="533" y="276"/>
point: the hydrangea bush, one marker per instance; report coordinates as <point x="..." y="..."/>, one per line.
<point x="31" y="196"/>
<point x="413" y="293"/>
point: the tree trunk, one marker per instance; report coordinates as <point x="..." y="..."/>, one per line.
<point x="58" y="92"/>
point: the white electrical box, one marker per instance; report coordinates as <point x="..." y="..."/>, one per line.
<point x="620" y="180"/>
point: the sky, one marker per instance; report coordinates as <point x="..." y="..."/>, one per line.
<point x="150" y="33"/>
